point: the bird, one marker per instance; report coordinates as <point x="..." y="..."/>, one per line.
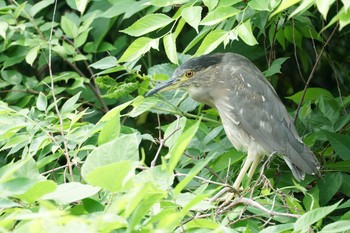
<point x="253" y="116"/>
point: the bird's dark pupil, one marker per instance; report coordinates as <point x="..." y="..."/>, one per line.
<point x="189" y="73"/>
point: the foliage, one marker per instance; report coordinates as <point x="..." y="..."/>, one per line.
<point x="70" y="163"/>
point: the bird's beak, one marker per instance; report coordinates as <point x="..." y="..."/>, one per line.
<point x="165" y="86"/>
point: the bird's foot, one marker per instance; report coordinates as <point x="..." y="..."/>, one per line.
<point x="225" y="196"/>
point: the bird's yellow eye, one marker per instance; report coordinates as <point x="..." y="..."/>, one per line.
<point x="189" y="73"/>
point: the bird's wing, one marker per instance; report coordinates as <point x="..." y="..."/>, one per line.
<point x="262" y="115"/>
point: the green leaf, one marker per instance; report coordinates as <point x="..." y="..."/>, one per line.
<point x="36" y="8"/>
<point x="311" y="95"/>
<point x="110" y="130"/>
<point x="41" y="103"/>
<point x="71" y="192"/>
<point x="32" y="55"/>
<point x="211" y="41"/>
<point x="284" y="5"/>
<point x="170" y="47"/>
<point x="194" y="171"/>
<point x="329" y="186"/>
<point x="218" y="15"/>
<point x="70" y="104"/>
<point x="346" y="5"/>
<point x="211" y="4"/>
<point x="340" y="143"/>
<point x="69" y="27"/>
<point x="304" y="6"/>
<point x="163" y="3"/>
<point x="323" y="7"/>
<point x="313" y="216"/>
<point x="36" y="191"/>
<point x="246" y="34"/>
<point x="105" y="63"/>
<point x="275" y="68"/>
<point x="147" y="24"/>
<point x="112" y="177"/>
<point x="3" y="28"/>
<point x="278" y="228"/>
<point x="259" y="5"/>
<point x="192" y="16"/>
<point x="180" y="146"/>
<point x="338" y="226"/>
<point x="81" y="5"/>
<point x="174" y="131"/>
<point x="120" y="149"/>
<point x="339" y="166"/>
<point x="202" y="224"/>
<point x="139" y="47"/>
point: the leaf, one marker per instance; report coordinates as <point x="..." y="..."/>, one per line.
<point x="194" y="171"/>
<point x="346" y="5"/>
<point x="71" y="192"/>
<point x="179" y="147"/>
<point x="163" y="3"/>
<point x="329" y="186"/>
<point x="192" y="16"/>
<point x="69" y="105"/>
<point x="211" y="4"/>
<point x="246" y="34"/>
<point x="218" y="15"/>
<point x="3" y="28"/>
<point x="278" y="228"/>
<point x="36" y="8"/>
<point x="141" y="106"/>
<point x="147" y="24"/>
<point x="120" y="149"/>
<point x="41" y="103"/>
<point x="36" y="191"/>
<point x="259" y="5"/>
<point x="110" y="130"/>
<point x="338" y="226"/>
<point x="69" y="27"/>
<point x="170" y="47"/>
<point x="32" y="55"/>
<point x="139" y="47"/>
<point x="304" y="6"/>
<point x="323" y="7"/>
<point x="311" y="95"/>
<point x="211" y="41"/>
<point x="275" y="68"/>
<point x="105" y="63"/>
<point x="81" y="5"/>
<point x="174" y="131"/>
<point x="284" y="5"/>
<point x="313" y="216"/>
<point x="340" y="143"/>
<point x="112" y="177"/>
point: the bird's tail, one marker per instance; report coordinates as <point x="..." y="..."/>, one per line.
<point x="300" y="159"/>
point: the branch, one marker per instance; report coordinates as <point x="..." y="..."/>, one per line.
<point x="65" y="151"/>
<point x="312" y="73"/>
<point x="251" y="202"/>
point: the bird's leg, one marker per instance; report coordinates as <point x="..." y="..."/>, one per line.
<point x="255" y="164"/>
<point x="252" y="162"/>
<point x="248" y="163"/>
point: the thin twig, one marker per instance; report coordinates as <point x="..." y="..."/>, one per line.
<point x="69" y="164"/>
<point x="255" y="204"/>
<point x="295" y="52"/>
<point x="312" y="73"/>
<point x="163" y="140"/>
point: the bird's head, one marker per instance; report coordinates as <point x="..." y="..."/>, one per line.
<point x="196" y="72"/>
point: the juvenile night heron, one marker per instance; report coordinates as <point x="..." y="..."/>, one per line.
<point x="253" y="116"/>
